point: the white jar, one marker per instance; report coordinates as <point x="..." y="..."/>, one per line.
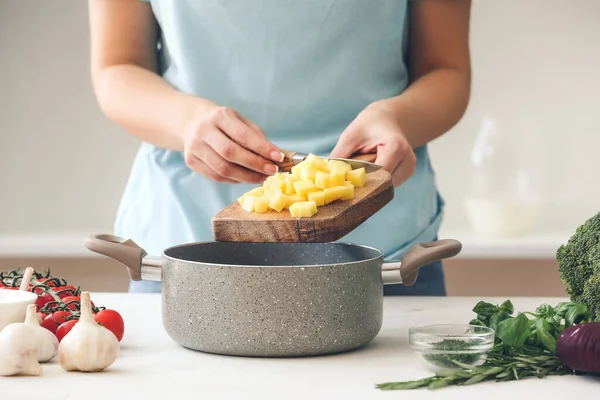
<point x="506" y="181"/>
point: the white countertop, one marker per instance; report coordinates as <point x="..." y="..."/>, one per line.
<point x="152" y="366"/>
<point x="70" y="244"/>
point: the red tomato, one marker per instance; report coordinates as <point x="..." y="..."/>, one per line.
<point x="42" y="316"/>
<point x="112" y="321"/>
<point x="43" y="299"/>
<point x="72" y="302"/>
<point x="52" y="321"/>
<point x="65" y="328"/>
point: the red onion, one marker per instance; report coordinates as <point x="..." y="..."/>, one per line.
<point x="578" y="347"/>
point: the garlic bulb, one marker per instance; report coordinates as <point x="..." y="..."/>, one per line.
<point x="18" y="350"/>
<point x="88" y="347"/>
<point x="47" y="342"/>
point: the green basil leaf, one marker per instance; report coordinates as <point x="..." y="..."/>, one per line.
<point x="532" y="338"/>
<point x="477" y="322"/>
<point x="514" y="331"/>
<point x="577" y="313"/>
<point x="544" y="310"/>
<point x="508" y="307"/>
<point x="496" y="318"/>
<point x="545" y="338"/>
<point x="484" y="309"/>
<point x="562" y="308"/>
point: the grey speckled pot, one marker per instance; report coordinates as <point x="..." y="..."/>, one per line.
<point x="271" y="299"/>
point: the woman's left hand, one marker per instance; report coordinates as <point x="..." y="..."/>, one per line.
<point x="376" y="129"/>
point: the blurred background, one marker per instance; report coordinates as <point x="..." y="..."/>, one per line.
<point x="517" y="173"/>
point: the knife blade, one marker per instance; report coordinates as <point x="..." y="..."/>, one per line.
<point x="365" y="161"/>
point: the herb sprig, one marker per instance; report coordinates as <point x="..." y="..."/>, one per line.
<point x="525" y="346"/>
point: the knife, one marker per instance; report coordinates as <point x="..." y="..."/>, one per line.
<point x="365" y="161"/>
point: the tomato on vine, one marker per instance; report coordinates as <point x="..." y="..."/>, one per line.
<point x="112" y="321"/>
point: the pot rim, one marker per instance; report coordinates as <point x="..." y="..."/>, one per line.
<point x="378" y="258"/>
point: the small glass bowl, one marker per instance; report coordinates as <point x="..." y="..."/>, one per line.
<point x="439" y="345"/>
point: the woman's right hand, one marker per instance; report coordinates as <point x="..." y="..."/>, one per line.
<point x="224" y="146"/>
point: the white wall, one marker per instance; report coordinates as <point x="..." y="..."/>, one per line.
<point x="535" y="64"/>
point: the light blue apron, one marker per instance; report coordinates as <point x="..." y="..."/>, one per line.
<point x="300" y="69"/>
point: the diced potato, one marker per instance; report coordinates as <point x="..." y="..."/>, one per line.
<point x="337" y="178"/>
<point x="268" y="181"/>
<point x="318" y="197"/>
<point x="357" y="177"/>
<point x="296" y="170"/>
<point x="333" y="193"/>
<point x="337" y="165"/>
<point x="277" y="201"/>
<point x="257" y="191"/>
<point x="322" y="180"/>
<point x="308" y="173"/>
<point x="294" y="198"/>
<point x="347" y="192"/>
<point x="303" y="209"/>
<point x="277" y="185"/>
<point x="261" y="204"/>
<point x="249" y="203"/>
<point x="317" y="162"/>
<point x="313" y="183"/>
<point x="289" y="184"/>
<point x="303" y="187"/>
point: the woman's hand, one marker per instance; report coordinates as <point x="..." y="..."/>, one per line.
<point x="376" y="129"/>
<point x="224" y="146"/>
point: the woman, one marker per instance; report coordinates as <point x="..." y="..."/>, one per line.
<point x="215" y="88"/>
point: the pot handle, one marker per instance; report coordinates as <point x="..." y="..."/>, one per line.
<point x="407" y="270"/>
<point x="122" y="250"/>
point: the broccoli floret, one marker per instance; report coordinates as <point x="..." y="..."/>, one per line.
<point x="591" y="296"/>
<point x="579" y="265"/>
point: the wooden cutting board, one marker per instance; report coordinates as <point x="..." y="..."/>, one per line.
<point x="330" y="223"/>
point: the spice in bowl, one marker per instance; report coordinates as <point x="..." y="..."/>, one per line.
<point x="447" y="346"/>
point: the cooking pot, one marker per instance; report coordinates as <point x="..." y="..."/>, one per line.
<point x="271" y="299"/>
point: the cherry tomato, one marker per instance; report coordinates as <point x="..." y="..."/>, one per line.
<point x="72" y="302"/>
<point x="42" y="316"/>
<point x="47" y="281"/>
<point x="65" y="291"/>
<point x="65" y="328"/>
<point x="52" y="321"/>
<point x="112" y="321"/>
<point x="43" y="299"/>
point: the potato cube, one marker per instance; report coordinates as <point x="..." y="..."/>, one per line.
<point x="282" y="175"/>
<point x="337" y="165"/>
<point x="296" y="170"/>
<point x="241" y="200"/>
<point x="318" y="197"/>
<point x="294" y="198"/>
<point x="303" y="209"/>
<point x="268" y="181"/>
<point x="277" y="201"/>
<point x="289" y="184"/>
<point x="347" y="192"/>
<point x="357" y="177"/>
<point x="317" y="162"/>
<point x="261" y="204"/>
<point x="249" y="203"/>
<point x="308" y="173"/>
<point x="258" y="191"/>
<point x="333" y="193"/>
<point x="277" y="185"/>
<point x="337" y="178"/>
<point x="322" y="180"/>
<point x="303" y="187"/>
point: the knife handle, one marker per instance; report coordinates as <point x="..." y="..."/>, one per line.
<point x="371" y="157"/>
